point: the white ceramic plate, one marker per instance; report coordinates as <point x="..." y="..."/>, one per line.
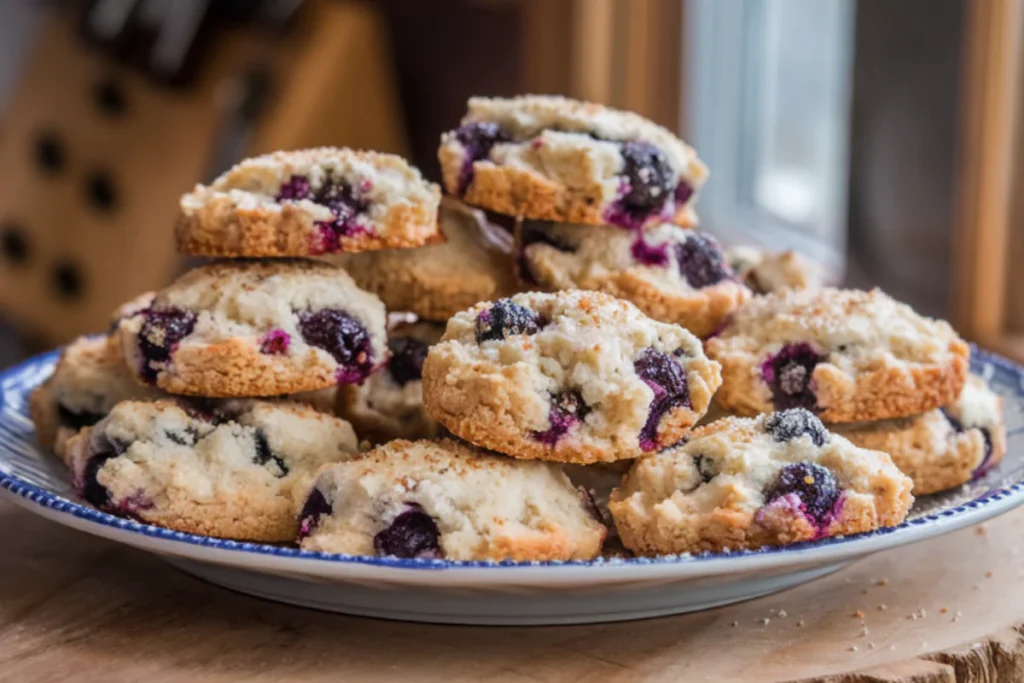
<point x="496" y="593"/>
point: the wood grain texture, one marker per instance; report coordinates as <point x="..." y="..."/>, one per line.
<point x="990" y="86"/>
<point x="75" y="607"/>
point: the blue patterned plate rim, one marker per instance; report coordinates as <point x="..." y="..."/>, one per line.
<point x="15" y="425"/>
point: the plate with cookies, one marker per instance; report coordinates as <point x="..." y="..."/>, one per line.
<point x="535" y="395"/>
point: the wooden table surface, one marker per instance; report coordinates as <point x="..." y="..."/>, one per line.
<point x="74" y="607"/>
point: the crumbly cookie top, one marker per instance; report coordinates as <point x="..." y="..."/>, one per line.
<point x="977" y="405"/>
<point x="381" y="179"/>
<point x="738" y="462"/>
<point x="577" y="341"/>
<point x="856" y="329"/>
<point x="586" y="256"/>
<point x="468" y="491"/>
<point x="527" y="116"/>
<point x="92" y="377"/>
<point x="240" y="298"/>
<point x="193" y="448"/>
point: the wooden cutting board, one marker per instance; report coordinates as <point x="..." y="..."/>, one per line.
<point x="73" y="607"/>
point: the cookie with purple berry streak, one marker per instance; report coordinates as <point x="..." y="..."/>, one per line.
<point x="765" y="271"/>
<point x="847" y="355"/>
<point x="445" y="499"/>
<point x="257" y="328"/>
<point x="308" y="202"/>
<point x="943" y="448"/>
<point x="228" y="469"/>
<point x="437" y="281"/>
<point x="550" y="158"/>
<point x="576" y="376"/>
<point x="745" y="483"/>
<point x="389" y="405"/>
<point x="672" y="274"/>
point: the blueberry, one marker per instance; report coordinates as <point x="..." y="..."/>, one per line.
<point x="276" y="342"/>
<point x="343" y="337"/>
<point x="986" y="464"/>
<point x="315" y="507"/>
<point x="478" y="139"/>
<point x="649" y="254"/>
<point x="587" y="496"/>
<point x="161" y="331"/>
<point x="345" y="207"/>
<point x="567" y="410"/>
<point x="89" y="487"/>
<point x="814" y="485"/>
<point x="183" y="437"/>
<point x="794" y="423"/>
<point x="706" y="467"/>
<point x="265" y="456"/>
<point x="667" y="378"/>
<point x="534" y="232"/>
<point x="683" y="192"/>
<point x="650" y="176"/>
<point x="295" y="189"/>
<point x="701" y="261"/>
<point x="505" y="318"/>
<point x="788" y="374"/>
<point x="413" y="533"/>
<point x="407" y="357"/>
<point x="76" y="420"/>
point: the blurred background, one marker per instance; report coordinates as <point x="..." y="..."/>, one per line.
<point x="878" y="137"/>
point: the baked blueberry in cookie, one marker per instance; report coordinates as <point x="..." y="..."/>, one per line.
<point x="672" y="274"/>
<point x="846" y="355"/>
<point x="256" y="328"/>
<point x="435" y="499"/>
<point x="571" y="377"/>
<point x="943" y="448"/>
<point x="309" y="202"/>
<point x="745" y="483"/>
<point x="437" y="281"/>
<point x="389" y="405"/>
<point x="230" y="473"/>
<point x="551" y="158"/>
<point x="505" y="318"/>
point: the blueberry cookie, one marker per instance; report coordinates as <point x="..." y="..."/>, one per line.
<point x="389" y="405"/>
<point x="746" y="483"/>
<point x="575" y="376"/>
<point x="445" y="499"/>
<point x="438" y="281"/>
<point x="252" y="328"/>
<point x="672" y="274"/>
<point x="551" y="158"/>
<point x="228" y="469"/>
<point x="89" y="380"/>
<point x="766" y="271"/>
<point x="847" y="355"/>
<point x="940" y="449"/>
<point x="307" y="202"/>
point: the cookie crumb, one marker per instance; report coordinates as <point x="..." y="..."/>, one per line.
<point x="853" y="648"/>
<point x="989" y="574"/>
<point x="871" y="646"/>
<point x="859" y="614"/>
<point x="883" y="607"/>
<point x="800" y="624"/>
<point x="783" y="614"/>
<point x="943" y="610"/>
<point x="884" y="581"/>
<point x="863" y="631"/>
<point x="765" y="621"/>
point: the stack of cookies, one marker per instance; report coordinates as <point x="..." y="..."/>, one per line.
<point x="213" y="399"/>
<point x="512" y="372"/>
